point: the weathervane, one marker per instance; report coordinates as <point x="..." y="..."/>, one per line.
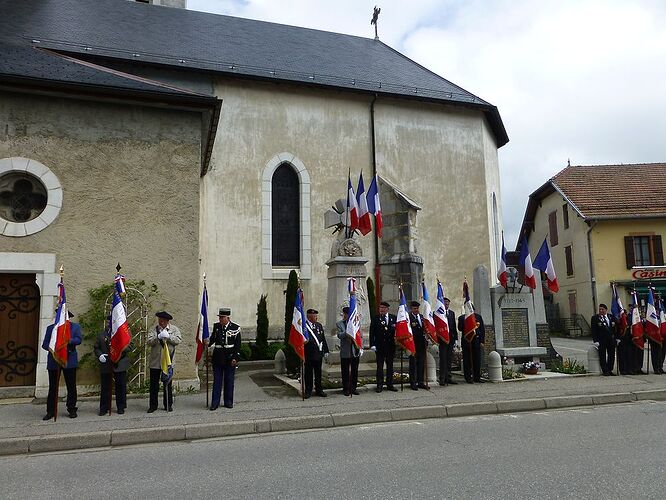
<point x="375" y="18"/>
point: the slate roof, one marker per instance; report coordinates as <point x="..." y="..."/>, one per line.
<point x="228" y="45"/>
<point x="598" y="192"/>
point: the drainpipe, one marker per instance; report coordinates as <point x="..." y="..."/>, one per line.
<point x="378" y="288"/>
<point x="593" y="279"/>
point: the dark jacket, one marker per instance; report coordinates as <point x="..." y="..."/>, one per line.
<point x="480" y="330"/>
<point x="417" y="331"/>
<point x="225" y="342"/>
<point x="102" y="347"/>
<point x="382" y="333"/>
<point x="72" y="356"/>
<point x="601" y="332"/>
<point x="317" y="338"/>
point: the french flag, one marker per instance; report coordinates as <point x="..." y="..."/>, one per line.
<point x="202" y="328"/>
<point x="526" y="263"/>
<point x="364" y="224"/>
<point x="652" y="320"/>
<point x="470" y="324"/>
<point x="120" y="333"/>
<point x="636" y="324"/>
<point x="429" y="323"/>
<point x="502" y="273"/>
<point x="403" y="329"/>
<point x="441" y="323"/>
<point x="617" y="309"/>
<point x="352" y="208"/>
<point x="61" y="333"/>
<point x="374" y="207"/>
<point x="544" y="262"/>
<point x="297" y="333"/>
<point x="354" y="318"/>
<point x="662" y="320"/>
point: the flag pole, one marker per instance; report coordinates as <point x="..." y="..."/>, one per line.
<point x="347" y="210"/>
<point x="108" y="350"/>
<point x="57" y="387"/>
<point x="208" y="338"/>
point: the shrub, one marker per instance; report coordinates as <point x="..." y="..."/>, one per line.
<point x="245" y="352"/>
<point x="372" y="299"/>
<point x="262" y="327"/>
<point x="569" y="366"/>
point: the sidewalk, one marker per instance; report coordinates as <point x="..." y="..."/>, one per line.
<point x="262" y="404"/>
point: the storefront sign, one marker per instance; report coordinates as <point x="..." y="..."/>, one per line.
<point x="647" y="274"/>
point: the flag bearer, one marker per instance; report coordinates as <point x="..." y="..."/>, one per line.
<point x="315" y="349"/>
<point x="106" y="367"/>
<point x="161" y="334"/>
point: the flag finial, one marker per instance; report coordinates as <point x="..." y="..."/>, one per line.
<point x="62" y="271"/>
<point x="118" y="267"/>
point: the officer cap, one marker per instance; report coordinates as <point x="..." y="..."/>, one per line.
<point x="312" y="311"/>
<point x="345" y="310"/>
<point x="69" y="313"/>
<point x="413" y="303"/>
<point x="164" y="315"/>
<point x="446" y="298"/>
<point x="604" y="306"/>
<point x="224" y="311"/>
<point x="385" y="304"/>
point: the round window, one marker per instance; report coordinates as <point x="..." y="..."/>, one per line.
<point x="22" y="197"/>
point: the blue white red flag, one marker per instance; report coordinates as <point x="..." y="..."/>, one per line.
<point x="403" y="328"/>
<point x="352" y="208"/>
<point x="637" y="331"/>
<point x="429" y="320"/>
<point x="298" y="335"/>
<point x="202" y="329"/>
<point x="354" y="318"/>
<point x="651" y="319"/>
<point x="502" y="272"/>
<point x="374" y="206"/>
<point x="544" y="262"/>
<point x="526" y="264"/>
<point x="120" y="332"/>
<point x="470" y="323"/>
<point x="441" y="321"/>
<point x="617" y="310"/>
<point x="662" y="320"/>
<point x="61" y="332"/>
<point x="364" y="224"/>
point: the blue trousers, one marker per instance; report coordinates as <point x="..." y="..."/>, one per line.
<point x="223" y="375"/>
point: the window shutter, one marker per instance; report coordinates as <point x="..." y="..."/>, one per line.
<point x="658" y="250"/>
<point x="629" y="251"/>
<point x="552" y="226"/>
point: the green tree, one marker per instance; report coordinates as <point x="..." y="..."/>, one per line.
<point x="262" y="327"/>
<point x="293" y="362"/>
<point x="372" y="300"/>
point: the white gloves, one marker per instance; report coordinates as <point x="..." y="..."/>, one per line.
<point x="373" y="348"/>
<point x="163" y="335"/>
<point x="360" y="353"/>
<point x="596" y="344"/>
<point x="326" y="356"/>
<point x="102" y="358"/>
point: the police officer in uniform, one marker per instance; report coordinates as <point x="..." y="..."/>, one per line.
<point x="106" y="366"/>
<point x="382" y="341"/>
<point x="446" y="350"/>
<point x="315" y="349"/>
<point x="417" y="361"/>
<point x="225" y="343"/>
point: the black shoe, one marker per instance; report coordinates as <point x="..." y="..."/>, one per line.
<point x="378" y="389"/>
<point x="121" y="411"/>
<point x="152" y="409"/>
<point x="103" y="412"/>
<point x="213" y="408"/>
<point x="355" y="392"/>
<point x="48" y="416"/>
<point x="451" y="382"/>
<point x="423" y="386"/>
<point x="345" y="393"/>
<point x="306" y="396"/>
<point x="479" y="381"/>
<point x="73" y="414"/>
<point x="322" y="394"/>
<point x="413" y="388"/>
<point x="469" y="381"/>
<point x="606" y="374"/>
<point x="170" y="408"/>
<point x="392" y="389"/>
<point x="611" y="374"/>
<point x="228" y="406"/>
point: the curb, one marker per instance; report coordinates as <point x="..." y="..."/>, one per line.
<point x="189" y="432"/>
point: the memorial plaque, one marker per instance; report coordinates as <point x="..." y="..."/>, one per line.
<point x="515" y="328"/>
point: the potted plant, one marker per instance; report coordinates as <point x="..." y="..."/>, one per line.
<point x="531" y="368"/>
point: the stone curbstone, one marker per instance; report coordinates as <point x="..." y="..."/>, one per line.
<point x="418" y="413"/>
<point x="152" y="435"/>
<point x="618" y="397"/>
<point x="262" y="426"/>
<point x="520" y="405"/>
<point x="218" y="429"/>
<point x="14" y="446"/>
<point x="655" y="394"/>
<point x="61" y="442"/>
<point x="465" y="409"/>
<point x="298" y="423"/>
<point x="361" y="417"/>
<point x="565" y="401"/>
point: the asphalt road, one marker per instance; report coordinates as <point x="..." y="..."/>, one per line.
<point x="601" y="452"/>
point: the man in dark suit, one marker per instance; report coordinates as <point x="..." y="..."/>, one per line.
<point x="106" y="367"/>
<point x="417" y="361"/>
<point x="603" y="326"/>
<point x="350" y="355"/>
<point x="382" y="341"/>
<point x="315" y="349"/>
<point x="471" y="350"/>
<point x="69" y="371"/>
<point x="446" y="350"/>
<point x="225" y="344"/>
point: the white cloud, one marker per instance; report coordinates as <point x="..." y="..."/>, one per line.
<point x="572" y="79"/>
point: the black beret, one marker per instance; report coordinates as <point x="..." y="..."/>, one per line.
<point x="312" y="311"/>
<point x="224" y="311"/>
<point x="603" y="305"/>
<point x="164" y="315"/>
<point x="385" y="304"/>
<point x="345" y="310"/>
<point x="413" y="303"/>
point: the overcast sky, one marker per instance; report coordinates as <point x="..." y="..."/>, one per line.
<point x="579" y="79"/>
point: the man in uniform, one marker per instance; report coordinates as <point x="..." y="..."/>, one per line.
<point x="350" y="355"/>
<point x="446" y="350"/>
<point x="603" y="326"/>
<point x="315" y="348"/>
<point x="164" y="333"/>
<point x="382" y="341"/>
<point x="69" y="371"/>
<point x="417" y="361"/>
<point x="106" y="367"/>
<point x="472" y="350"/>
<point x="225" y="344"/>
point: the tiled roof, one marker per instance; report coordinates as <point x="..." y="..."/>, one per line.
<point x="615" y="191"/>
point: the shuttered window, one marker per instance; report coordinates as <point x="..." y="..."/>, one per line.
<point x="565" y="215"/>
<point x="568" y="256"/>
<point x="643" y="250"/>
<point x="552" y="226"/>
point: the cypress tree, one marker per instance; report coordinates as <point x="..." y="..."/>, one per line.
<point x="372" y="300"/>
<point x="262" y="327"/>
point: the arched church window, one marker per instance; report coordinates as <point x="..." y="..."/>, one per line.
<point x="285" y="211"/>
